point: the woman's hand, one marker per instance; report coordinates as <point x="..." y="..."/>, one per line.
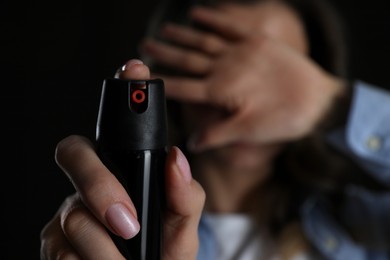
<point x="79" y="228"/>
<point x="271" y="91"/>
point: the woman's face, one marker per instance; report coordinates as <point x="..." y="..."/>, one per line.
<point x="273" y="19"/>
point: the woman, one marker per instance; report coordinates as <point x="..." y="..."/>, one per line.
<point x="260" y="96"/>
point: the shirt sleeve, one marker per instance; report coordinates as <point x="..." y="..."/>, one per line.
<point x="366" y="136"/>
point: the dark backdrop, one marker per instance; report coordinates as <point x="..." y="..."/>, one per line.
<point x="54" y="56"/>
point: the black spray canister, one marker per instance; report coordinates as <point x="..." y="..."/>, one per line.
<point x="131" y="137"/>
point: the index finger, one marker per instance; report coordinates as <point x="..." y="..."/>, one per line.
<point x="99" y="190"/>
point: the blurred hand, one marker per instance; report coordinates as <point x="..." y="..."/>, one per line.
<point x="272" y="92"/>
<point x="79" y="228"/>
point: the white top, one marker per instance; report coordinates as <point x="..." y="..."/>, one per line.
<point x="237" y="238"/>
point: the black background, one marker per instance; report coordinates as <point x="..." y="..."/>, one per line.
<point x="54" y="56"/>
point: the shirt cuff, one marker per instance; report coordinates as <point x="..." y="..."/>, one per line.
<point x="366" y="136"/>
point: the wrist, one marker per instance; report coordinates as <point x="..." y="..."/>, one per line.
<point x="339" y="105"/>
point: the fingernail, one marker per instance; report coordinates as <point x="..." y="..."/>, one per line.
<point x="182" y="163"/>
<point x="122" y="221"/>
<point x="131" y="63"/>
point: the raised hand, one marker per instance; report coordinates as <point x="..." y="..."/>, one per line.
<point x="256" y="73"/>
<point x="79" y="228"/>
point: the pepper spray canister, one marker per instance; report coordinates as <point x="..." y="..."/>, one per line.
<point x="131" y="137"/>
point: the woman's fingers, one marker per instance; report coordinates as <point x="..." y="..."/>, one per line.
<point x="74" y="233"/>
<point x="178" y="58"/>
<point x="100" y="191"/>
<point x="185" y="36"/>
<point x="79" y="226"/>
<point x="54" y="244"/>
<point x="220" y="22"/>
<point x="84" y="227"/>
<point x="185" y="201"/>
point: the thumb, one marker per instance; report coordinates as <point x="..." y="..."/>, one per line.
<point x="133" y="69"/>
<point x="185" y="201"/>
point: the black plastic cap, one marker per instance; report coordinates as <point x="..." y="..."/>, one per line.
<point x="130" y="120"/>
